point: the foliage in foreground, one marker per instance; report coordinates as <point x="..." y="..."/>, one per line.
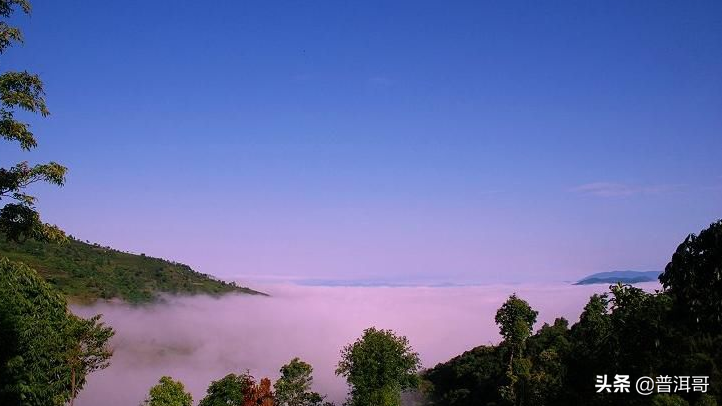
<point x="675" y="332"/>
<point x="239" y="390"/>
<point x="46" y="352"/>
<point x="22" y="92"/>
<point x="293" y="388"/>
<point x="230" y="390"/>
<point x="626" y="331"/>
<point x="169" y="392"/>
<point x="378" y="367"/>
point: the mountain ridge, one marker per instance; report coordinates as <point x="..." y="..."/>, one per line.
<point x="86" y="272"/>
<point x="627" y="276"/>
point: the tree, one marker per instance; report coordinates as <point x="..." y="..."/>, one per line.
<point x="470" y="379"/>
<point x="46" y="351"/>
<point x="547" y="350"/>
<point x="239" y="390"/>
<point x="293" y="388"/>
<point x="259" y="394"/>
<point x="626" y="329"/>
<point x="231" y="390"/>
<point x="88" y="351"/>
<point x="22" y="91"/>
<point x="516" y="320"/>
<point x="169" y="393"/>
<point x="590" y="351"/>
<point x="377" y="367"/>
<point x="694" y="278"/>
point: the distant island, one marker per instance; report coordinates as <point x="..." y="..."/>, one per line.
<point x="87" y="272"/>
<point x="620" y="276"/>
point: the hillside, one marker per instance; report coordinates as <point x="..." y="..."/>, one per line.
<point x="87" y="272"/>
<point x="620" y="276"/>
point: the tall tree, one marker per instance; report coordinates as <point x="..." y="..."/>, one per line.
<point x="515" y="319"/>
<point x="293" y="388"/>
<point x="694" y="278"/>
<point x="88" y="350"/>
<point x="46" y="352"/>
<point x="169" y="392"/>
<point x="378" y="367"/>
<point x="22" y="91"/>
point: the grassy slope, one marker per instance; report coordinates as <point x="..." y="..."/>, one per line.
<point x="86" y="272"/>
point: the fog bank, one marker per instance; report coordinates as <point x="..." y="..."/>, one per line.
<point x="199" y="339"/>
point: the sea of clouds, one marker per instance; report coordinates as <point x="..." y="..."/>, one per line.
<point x="200" y="339"/>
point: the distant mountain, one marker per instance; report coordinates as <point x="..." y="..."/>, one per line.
<point x="86" y="272"/>
<point x="620" y="276"/>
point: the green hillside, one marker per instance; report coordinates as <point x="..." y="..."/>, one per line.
<point x="87" y="272"/>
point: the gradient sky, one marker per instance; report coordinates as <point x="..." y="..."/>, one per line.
<point x="407" y="141"/>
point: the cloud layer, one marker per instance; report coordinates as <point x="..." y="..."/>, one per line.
<point x="200" y="339"/>
<point x="612" y="189"/>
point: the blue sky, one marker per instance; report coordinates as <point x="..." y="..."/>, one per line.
<point x="406" y="141"/>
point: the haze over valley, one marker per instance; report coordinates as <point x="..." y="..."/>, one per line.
<point x="199" y="339"/>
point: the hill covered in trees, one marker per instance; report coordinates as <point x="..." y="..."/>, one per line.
<point x="620" y="277"/>
<point x="86" y="272"/>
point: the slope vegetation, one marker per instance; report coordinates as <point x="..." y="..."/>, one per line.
<point x="87" y="272"/>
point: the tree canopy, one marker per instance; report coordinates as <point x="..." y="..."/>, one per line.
<point x="230" y="390"/>
<point x="169" y="392"/>
<point x="515" y="319"/>
<point x="378" y="367"/>
<point x="22" y="91"/>
<point x="627" y="330"/>
<point x="46" y="352"/>
<point x="694" y="278"/>
<point x="293" y="388"/>
<point x="239" y="390"/>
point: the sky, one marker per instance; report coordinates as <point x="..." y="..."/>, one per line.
<point x="405" y="141"/>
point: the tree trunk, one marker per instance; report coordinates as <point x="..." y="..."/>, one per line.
<point x="72" y="386"/>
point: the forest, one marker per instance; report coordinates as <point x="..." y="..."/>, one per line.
<point x="669" y="333"/>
